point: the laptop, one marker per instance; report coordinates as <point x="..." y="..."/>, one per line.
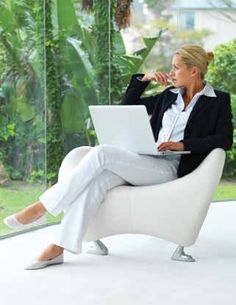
<point x="127" y="127"/>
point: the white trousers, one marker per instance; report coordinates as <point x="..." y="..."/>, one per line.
<point x="81" y="192"/>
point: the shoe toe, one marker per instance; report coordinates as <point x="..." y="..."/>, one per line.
<point x="36" y="264"/>
<point x="12" y="222"/>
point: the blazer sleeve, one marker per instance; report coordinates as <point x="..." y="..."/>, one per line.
<point x="134" y="91"/>
<point x="223" y="137"/>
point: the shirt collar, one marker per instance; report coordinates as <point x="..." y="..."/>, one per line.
<point x="207" y="90"/>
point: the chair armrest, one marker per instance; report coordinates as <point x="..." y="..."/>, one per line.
<point x="72" y="159"/>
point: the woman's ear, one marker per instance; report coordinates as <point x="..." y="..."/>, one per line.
<point x="194" y="71"/>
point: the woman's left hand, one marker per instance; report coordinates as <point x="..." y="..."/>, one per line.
<point x="171" y="146"/>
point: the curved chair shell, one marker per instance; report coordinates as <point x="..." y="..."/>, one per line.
<point x="173" y="211"/>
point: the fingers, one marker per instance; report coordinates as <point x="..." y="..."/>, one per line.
<point x="170" y="146"/>
<point x="159" y="77"/>
<point x="162" y="78"/>
<point x="164" y="146"/>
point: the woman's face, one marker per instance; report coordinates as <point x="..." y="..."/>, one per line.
<point x="180" y="74"/>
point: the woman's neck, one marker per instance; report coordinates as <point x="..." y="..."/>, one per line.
<point x="192" y="89"/>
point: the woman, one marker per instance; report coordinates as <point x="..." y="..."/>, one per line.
<point x="190" y="115"/>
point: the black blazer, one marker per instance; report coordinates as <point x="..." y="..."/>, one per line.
<point x="209" y="125"/>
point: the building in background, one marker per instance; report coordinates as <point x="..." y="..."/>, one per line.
<point x="218" y="17"/>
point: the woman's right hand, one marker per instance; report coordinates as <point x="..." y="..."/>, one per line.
<point x="162" y="78"/>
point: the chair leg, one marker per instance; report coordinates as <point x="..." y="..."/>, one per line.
<point x="98" y="248"/>
<point x="180" y="255"/>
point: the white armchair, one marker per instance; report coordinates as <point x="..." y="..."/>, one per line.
<point x="173" y="211"/>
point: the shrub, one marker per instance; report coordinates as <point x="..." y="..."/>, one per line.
<point x="222" y="71"/>
<point x="222" y="75"/>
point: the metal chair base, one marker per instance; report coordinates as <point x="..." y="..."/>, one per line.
<point x="180" y="255"/>
<point x="97" y="248"/>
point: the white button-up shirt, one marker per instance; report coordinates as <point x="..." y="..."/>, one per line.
<point x="175" y="118"/>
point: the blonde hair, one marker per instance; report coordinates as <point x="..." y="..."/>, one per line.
<point x="195" y="56"/>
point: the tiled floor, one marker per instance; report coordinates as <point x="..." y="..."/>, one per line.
<point x="138" y="270"/>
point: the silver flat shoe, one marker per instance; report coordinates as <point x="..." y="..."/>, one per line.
<point x="13" y="223"/>
<point x="36" y="264"/>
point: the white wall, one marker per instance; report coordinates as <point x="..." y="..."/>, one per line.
<point x="222" y="28"/>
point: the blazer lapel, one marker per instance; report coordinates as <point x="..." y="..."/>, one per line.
<point x="171" y="99"/>
<point x="200" y="104"/>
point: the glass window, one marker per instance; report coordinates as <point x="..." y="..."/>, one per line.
<point x="22" y="106"/>
<point x="57" y="61"/>
<point x="186" y="20"/>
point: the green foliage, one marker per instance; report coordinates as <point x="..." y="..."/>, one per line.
<point x="55" y="149"/>
<point x="78" y="87"/>
<point x="21" y="112"/>
<point x="101" y="36"/>
<point x="131" y="64"/>
<point x="85" y="64"/>
<point x="222" y="71"/>
<point x="7" y="131"/>
<point x="222" y="75"/>
<point x="51" y="177"/>
<point x="95" y="68"/>
<point x="230" y="163"/>
<point x="36" y="176"/>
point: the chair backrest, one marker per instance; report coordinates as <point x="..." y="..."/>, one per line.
<point x="210" y="170"/>
<point x="173" y="211"/>
<point x="177" y="209"/>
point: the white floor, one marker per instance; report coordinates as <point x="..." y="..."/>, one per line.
<point x="138" y="270"/>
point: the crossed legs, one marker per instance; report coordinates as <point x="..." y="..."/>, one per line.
<point x="81" y="192"/>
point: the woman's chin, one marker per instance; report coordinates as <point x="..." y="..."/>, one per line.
<point x="177" y="85"/>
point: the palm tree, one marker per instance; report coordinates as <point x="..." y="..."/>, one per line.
<point x="85" y="64"/>
<point x="21" y="78"/>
